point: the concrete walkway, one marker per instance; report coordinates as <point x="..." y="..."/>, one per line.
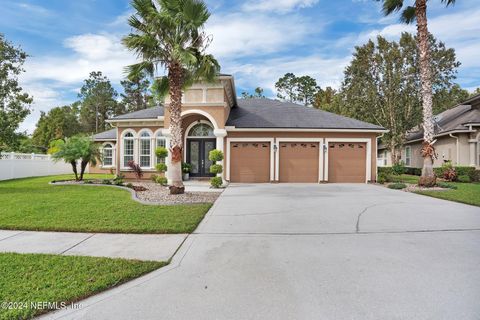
<point x="297" y="251"/>
<point x="129" y="246"/>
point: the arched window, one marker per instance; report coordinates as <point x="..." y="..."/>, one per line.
<point x="107" y="155"/>
<point x="160" y="142"/>
<point x="201" y="130"/>
<point x="128" y="148"/>
<point x="145" y="151"/>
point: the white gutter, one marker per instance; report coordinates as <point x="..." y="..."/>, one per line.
<point x="457" y="147"/>
<point x="234" y="129"/>
<point x="161" y="118"/>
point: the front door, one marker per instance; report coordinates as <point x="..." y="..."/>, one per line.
<point x="197" y="156"/>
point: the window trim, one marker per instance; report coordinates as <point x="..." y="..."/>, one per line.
<point x="139" y="146"/>
<point x="408" y="158"/>
<point x="113" y="148"/>
<point x="123" y="165"/>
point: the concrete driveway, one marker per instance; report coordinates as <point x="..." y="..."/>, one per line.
<point x="296" y="251"/>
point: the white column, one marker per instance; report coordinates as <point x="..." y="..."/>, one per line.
<point x="168" y="161"/>
<point x="221" y="134"/>
<point x="472" y="143"/>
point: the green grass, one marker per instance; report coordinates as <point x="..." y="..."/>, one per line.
<point x="405" y="178"/>
<point x="33" y="204"/>
<point x="468" y="193"/>
<point x="27" y="278"/>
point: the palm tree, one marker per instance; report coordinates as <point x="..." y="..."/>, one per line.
<point x="168" y="35"/>
<point x="418" y="12"/>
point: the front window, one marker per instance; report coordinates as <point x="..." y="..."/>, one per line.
<point x="408" y="156"/>
<point x="145" y="150"/>
<point x="107" y="155"/>
<point x="128" y="143"/>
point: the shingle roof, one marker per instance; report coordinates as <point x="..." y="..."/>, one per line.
<point x="268" y="113"/>
<point x="150" y="113"/>
<point x="109" y="135"/>
<point x="453" y="119"/>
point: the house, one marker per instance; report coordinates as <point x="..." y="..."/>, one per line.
<point x="457" y="135"/>
<point x="263" y="140"/>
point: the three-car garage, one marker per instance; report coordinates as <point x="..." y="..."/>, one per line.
<point x="297" y="160"/>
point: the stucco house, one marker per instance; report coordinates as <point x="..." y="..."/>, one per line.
<point x="457" y="135"/>
<point x="263" y="140"/>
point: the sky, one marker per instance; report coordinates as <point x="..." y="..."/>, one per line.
<point x="257" y="41"/>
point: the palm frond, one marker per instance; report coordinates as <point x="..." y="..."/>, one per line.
<point x="390" y="6"/>
<point x="135" y="70"/>
<point x="449" y="2"/>
<point x="160" y="87"/>
<point x="408" y="15"/>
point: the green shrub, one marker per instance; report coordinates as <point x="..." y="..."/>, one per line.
<point x="397" y="186"/>
<point x="398" y="168"/>
<point x="465" y="171"/>
<point x="216" y="182"/>
<point x="215" y="155"/>
<point x="154" y="177"/>
<point x="129" y="185"/>
<point x="88" y="182"/>
<point x="162" y="180"/>
<point x="382" y="178"/>
<point x="216" y="168"/>
<point x="106" y="181"/>
<point x="446" y="185"/>
<point x="118" y="180"/>
<point x="464" y="178"/>
<point x="476" y="176"/>
<point x="413" y="171"/>
<point x="186" y="167"/>
<point x="161" y="152"/>
<point x="385" y="170"/>
<point x="161" y="167"/>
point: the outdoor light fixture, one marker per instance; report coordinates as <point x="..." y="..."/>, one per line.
<point x="275" y="148"/>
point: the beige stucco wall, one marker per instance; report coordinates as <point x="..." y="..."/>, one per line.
<point x="447" y="149"/>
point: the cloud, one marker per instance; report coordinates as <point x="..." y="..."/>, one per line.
<point x="279" y="6"/>
<point x="264" y="73"/>
<point x="239" y="34"/>
<point x="88" y="52"/>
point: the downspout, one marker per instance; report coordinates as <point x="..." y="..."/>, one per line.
<point x="457" y="146"/>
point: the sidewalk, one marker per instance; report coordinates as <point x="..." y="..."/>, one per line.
<point x="157" y="247"/>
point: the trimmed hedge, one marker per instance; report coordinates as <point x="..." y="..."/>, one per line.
<point x="461" y="171"/>
<point x="471" y="172"/>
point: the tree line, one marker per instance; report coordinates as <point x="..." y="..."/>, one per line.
<point x="97" y="101"/>
<point x="381" y="85"/>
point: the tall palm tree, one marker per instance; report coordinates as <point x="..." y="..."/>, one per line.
<point x="168" y="35"/>
<point x="418" y="12"/>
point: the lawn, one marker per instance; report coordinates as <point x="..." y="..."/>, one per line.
<point x="468" y="193"/>
<point x="33" y="204"/>
<point x="405" y="178"/>
<point x="27" y="279"/>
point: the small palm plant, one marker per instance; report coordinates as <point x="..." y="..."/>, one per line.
<point x="78" y="149"/>
<point x="168" y="35"/>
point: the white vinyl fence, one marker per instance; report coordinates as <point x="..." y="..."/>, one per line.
<point x="19" y="165"/>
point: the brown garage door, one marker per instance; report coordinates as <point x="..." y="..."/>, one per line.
<point x="298" y="162"/>
<point x="250" y="162"/>
<point x="347" y="161"/>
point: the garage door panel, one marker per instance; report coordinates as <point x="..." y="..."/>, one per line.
<point x="347" y="162"/>
<point x="250" y="162"/>
<point x="299" y="162"/>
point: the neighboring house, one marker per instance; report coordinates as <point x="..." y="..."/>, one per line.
<point x="457" y="135"/>
<point x="263" y="140"/>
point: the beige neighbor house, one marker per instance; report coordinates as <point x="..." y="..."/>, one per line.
<point x="457" y="135"/>
<point x="263" y="140"/>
